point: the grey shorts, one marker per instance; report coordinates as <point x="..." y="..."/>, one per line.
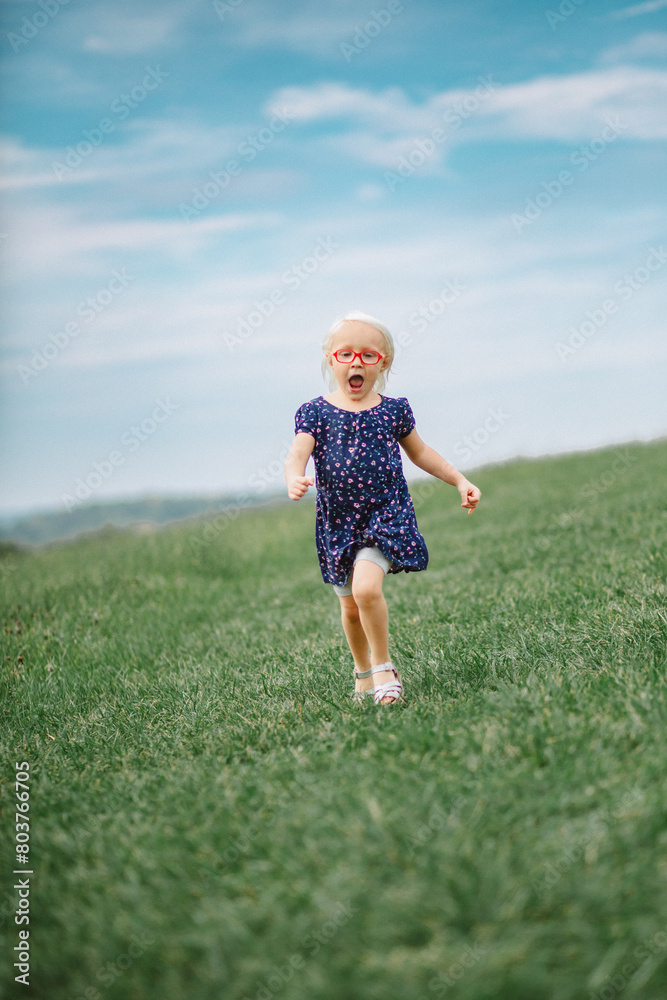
<point x="371" y="554"/>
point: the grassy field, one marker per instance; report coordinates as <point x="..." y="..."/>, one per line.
<point x="212" y="817"/>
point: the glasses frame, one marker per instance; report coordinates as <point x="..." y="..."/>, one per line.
<point x="358" y="354"/>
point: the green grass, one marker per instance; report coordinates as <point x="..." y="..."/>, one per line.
<point x="213" y="816"/>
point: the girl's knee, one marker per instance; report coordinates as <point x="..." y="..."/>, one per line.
<point x="349" y="609"/>
<point x="367" y="591"/>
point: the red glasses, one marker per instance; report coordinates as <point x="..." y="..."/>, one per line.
<point x="346" y="356"/>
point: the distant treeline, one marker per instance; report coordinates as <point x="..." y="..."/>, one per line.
<point x="51" y="526"/>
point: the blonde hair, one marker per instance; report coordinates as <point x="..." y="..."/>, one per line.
<point x="359" y="317"/>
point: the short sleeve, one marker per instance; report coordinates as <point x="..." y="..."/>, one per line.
<point x="306" y="419"/>
<point x="406" y="420"/>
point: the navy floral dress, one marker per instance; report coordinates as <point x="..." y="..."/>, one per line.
<point x="362" y="495"/>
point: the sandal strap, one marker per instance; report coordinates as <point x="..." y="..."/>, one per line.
<point x="383" y="666"/>
<point x="375" y="670"/>
<point x="363" y="673"/>
<point x="392" y="689"/>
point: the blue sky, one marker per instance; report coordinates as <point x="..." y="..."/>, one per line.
<point x="194" y="191"/>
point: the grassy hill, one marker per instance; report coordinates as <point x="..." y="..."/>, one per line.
<point x="212" y="817"/>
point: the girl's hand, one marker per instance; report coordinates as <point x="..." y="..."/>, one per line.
<point x="299" y="486"/>
<point x="470" y="496"/>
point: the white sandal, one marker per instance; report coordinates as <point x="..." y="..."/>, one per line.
<point x="360" y="695"/>
<point x="390" y="689"/>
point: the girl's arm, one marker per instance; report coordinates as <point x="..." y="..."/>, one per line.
<point x="426" y="458"/>
<point x="295" y="465"/>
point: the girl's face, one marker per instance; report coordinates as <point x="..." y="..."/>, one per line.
<point x="356" y="380"/>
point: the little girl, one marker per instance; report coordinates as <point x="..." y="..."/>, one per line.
<point x="365" y="525"/>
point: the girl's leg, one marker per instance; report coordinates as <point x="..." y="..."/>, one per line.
<point x="367" y="580"/>
<point x="356" y="638"/>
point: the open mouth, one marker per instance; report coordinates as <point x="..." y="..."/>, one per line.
<point x="356" y="382"/>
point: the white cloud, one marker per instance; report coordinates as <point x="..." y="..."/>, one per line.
<point x="53" y="80"/>
<point x="575" y="107"/>
<point x="143" y="149"/>
<point x="635" y="10"/>
<point x="385" y="125"/>
<point x="648" y="45"/>
<point x="56" y="240"/>
<point x="141" y="234"/>
<point x="330" y="100"/>
<point x="569" y="108"/>
<point x="104" y="29"/>
<point x="308" y="29"/>
<point x="385" y="152"/>
<point x="371" y="192"/>
<point x="321" y="30"/>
